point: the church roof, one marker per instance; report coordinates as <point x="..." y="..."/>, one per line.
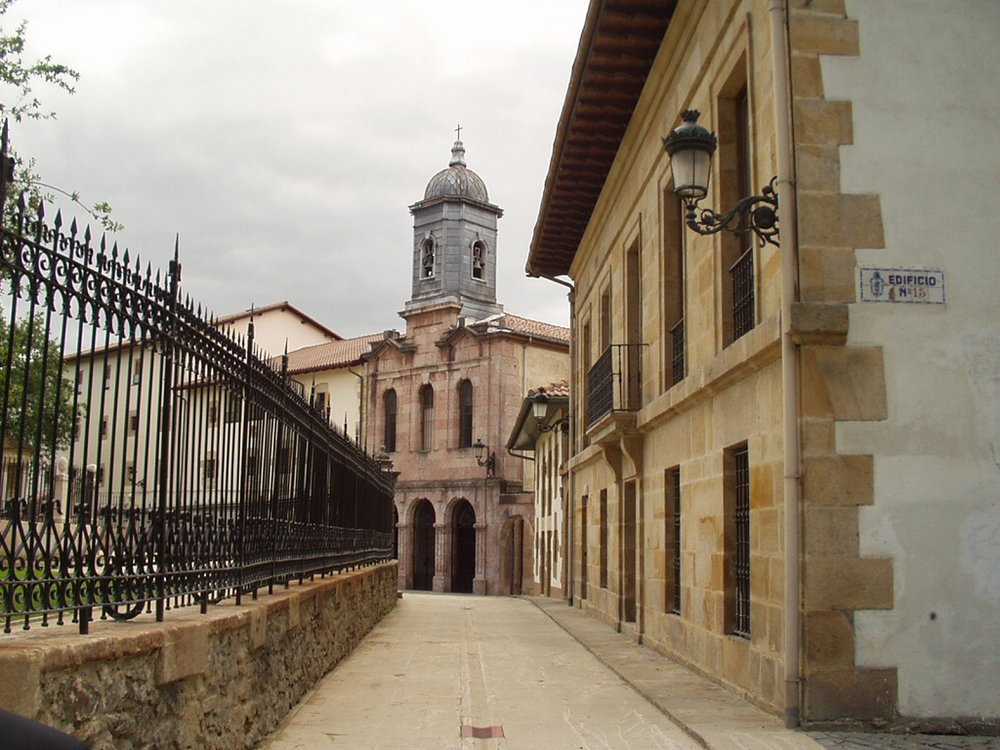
<point x="457" y="180"/>
<point x="331" y="355"/>
<point x="507" y="323"/>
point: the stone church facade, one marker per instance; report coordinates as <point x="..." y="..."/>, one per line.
<point x="456" y="378"/>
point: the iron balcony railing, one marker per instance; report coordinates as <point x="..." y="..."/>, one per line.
<point x="614" y="383"/>
<point x="151" y="459"/>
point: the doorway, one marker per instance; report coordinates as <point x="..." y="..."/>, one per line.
<point x="423" y="546"/>
<point x="463" y="569"/>
<point x="628" y="543"/>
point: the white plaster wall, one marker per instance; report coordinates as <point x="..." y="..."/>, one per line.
<point x="926" y="105"/>
<point x="272" y="328"/>
<point x="548" y="458"/>
<point x="343" y="394"/>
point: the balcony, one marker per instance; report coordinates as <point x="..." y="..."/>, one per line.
<point x="614" y="383"/>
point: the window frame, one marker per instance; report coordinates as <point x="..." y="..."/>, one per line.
<point x="426" y="401"/>
<point x="389" y="419"/>
<point x="465" y="413"/>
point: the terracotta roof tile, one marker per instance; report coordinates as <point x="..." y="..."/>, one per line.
<point x="332" y="354"/>
<point x="557" y="389"/>
<point x="525" y="327"/>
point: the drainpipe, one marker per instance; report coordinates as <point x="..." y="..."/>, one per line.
<point x="789" y="360"/>
<point x="568" y="588"/>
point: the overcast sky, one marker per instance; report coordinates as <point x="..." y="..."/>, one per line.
<point x="285" y="141"/>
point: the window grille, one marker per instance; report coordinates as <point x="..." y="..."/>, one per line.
<point x="677" y="363"/>
<point x="741" y="624"/>
<point x="674" y="478"/>
<point x="743" y="296"/>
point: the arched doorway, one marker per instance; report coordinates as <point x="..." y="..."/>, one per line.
<point x="423" y="546"/>
<point x="463" y="530"/>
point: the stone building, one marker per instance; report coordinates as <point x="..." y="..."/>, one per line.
<point x="454" y="379"/>
<point x="542" y="430"/>
<point x="112" y="450"/>
<point x="783" y="468"/>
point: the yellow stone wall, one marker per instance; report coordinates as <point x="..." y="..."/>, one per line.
<point x="838" y="383"/>
<point x="732" y="394"/>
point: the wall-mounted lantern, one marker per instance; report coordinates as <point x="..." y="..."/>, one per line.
<point x="691" y="147"/>
<point x="485" y="457"/>
<point x="539" y="410"/>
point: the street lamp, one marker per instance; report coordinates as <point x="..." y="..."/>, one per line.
<point x="383" y="459"/>
<point x="485" y="457"/>
<point x="540" y="409"/>
<point x="690" y="147"/>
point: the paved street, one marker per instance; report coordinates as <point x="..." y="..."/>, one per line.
<point x="454" y="671"/>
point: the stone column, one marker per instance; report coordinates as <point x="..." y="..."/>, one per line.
<point x="441" y="556"/>
<point x="479" y="582"/>
<point x="405" y="554"/>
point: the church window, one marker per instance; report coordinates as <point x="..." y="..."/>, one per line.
<point x="478" y="260"/>
<point x="427" y="259"/>
<point x="426" y="417"/>
<point x="389" y="410"/>
<point x="465" y="414"/>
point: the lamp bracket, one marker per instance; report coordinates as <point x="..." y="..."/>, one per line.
<point x="755" y="213"/>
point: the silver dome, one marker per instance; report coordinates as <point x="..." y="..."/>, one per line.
<point x="457" y="180"/>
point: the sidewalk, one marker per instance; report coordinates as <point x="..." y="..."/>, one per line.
<point x="712" y="714"/>
<point x="709" y="714"/>
<point x="457" y="671"/>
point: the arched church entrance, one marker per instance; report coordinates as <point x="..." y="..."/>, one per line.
<point x="423" y="546"/>
<point x="463" y="568"/>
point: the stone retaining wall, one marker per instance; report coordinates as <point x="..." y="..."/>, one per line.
<point x="222" y="680"/>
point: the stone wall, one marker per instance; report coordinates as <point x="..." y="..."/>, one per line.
<point x="222" y="680"/>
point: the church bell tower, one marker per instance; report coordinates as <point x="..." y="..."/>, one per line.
<point x="455" y="242"/>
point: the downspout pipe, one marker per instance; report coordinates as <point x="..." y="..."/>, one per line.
<point x="778" y="13"/>
<point x="568" y="580"/>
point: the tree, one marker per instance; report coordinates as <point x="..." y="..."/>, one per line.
<point x="38" y="399"/>
<point x="19" y="78"/>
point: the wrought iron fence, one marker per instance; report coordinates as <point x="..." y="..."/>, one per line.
<point x="152" y="459"/>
